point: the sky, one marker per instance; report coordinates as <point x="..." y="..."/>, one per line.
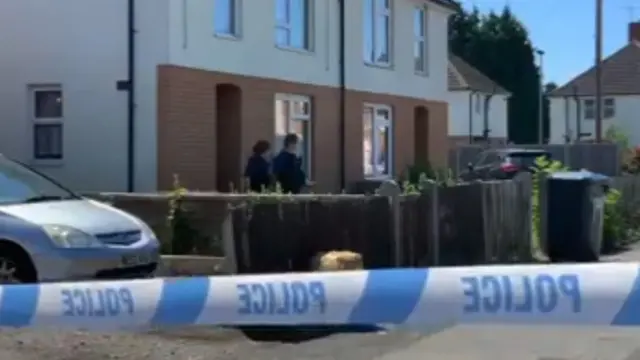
<point x="565" y="30"/>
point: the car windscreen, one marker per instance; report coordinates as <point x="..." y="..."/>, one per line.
<point x="526" y="159"/>
<point x="19" y="184"/>
<point x="487" y="158"/>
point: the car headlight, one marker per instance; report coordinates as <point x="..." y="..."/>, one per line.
<point x="69" y="237"/>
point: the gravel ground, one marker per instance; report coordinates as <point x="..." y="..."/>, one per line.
<point x="459" y="343"/>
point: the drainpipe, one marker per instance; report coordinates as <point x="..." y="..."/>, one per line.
<point x="487" y="104"/>
<point x="471" y="94"/>
<point x="342" y="83"/>
<point x="131" y="103"/>
<point x="567" y="124"/>
<point x="578" y="113"/>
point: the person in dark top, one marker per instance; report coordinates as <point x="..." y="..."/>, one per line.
<point x="258" y="170"/>
<point x="287" y="167"/>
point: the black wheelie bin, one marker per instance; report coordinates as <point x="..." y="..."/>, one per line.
<point x="573" y="215"/>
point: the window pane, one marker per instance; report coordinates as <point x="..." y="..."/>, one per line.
<point x="224" y="17"/>
<point x="382" y="5"/>
<point x="383" y="113"/>
<point x="367" y="141"/>
<point x="281" y="120"/>
<point x="382" y="150"/>
<point x="418" y="53"/>
<point x="282" y="37"/>
<point x="301" y="108"/>
<point x="609" y="102"/>
<point x="282" y="11"/>
<point x="367" y="16"/>
<point x="418" y="23"/>
<point x="299" y="24"/>
<point x="48" y="104"/>
<point x="301" y="128"/>
<point x="47" y="142"/>
<point x="382" y="39"/>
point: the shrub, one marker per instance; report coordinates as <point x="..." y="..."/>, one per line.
<point x="415" y="178"/>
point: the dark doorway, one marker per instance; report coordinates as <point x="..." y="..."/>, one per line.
<point x="421" y="135"/>
<point x="228" y="137"/>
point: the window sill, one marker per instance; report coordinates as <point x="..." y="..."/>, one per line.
<point x="422" y="73"/>
<point x="227" y="37"/>
<point x="46" y="162"/>
<point x="295" y="50"/>
<point x="385" y="66"/>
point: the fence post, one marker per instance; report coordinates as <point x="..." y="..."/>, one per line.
<point x="431" y="187"/>
<point x="392" y="191"/>
<point x="230" y="264"/>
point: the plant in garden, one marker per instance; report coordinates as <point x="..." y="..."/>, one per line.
<point x="544" y="167"/>
<point x="416" y="177"/>
<point x="183" y="236"/>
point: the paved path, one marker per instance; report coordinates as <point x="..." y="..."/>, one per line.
<point x="457" y="343"/>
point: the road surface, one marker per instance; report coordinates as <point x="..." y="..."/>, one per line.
<point x="457" y="343"/>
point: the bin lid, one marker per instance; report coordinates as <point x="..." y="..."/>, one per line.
<point x="580" y="175"/>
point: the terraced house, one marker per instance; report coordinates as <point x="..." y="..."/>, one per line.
<point x="121" y="95"/>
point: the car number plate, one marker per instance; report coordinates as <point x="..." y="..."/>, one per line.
<point x="135" y="260"/>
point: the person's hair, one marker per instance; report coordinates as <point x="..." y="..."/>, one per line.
<point x="290" y="139"/>
<point x="260" y="147"/>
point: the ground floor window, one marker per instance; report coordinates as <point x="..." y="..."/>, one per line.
<point x="46" y="113"/>
<point x="293" y="115"/>
<point x="377" y="140"/>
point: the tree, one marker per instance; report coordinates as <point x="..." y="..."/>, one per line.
<point x="498" y="45"/>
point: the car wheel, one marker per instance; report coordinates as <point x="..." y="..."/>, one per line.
<point x="8" y="272"/>
<point x="15" y="265"/>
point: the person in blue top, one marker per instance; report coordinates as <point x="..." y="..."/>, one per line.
<point x="287" y="167"/>
<point x="258" y="171"/>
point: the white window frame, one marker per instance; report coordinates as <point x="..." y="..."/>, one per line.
<point x="236" y="18"/>
<point x="608" y="108"/>
<point x="421" y="41"/>
<point x="589" y="109"/>
<point x="45" y="121"/>
<point x="377" y="122"/>
<point x="286" y="26"/>
<point x="376" y="13"/>
<point x="293" y="115"/>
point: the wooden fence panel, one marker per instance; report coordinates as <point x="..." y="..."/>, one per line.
<point x="507" y="219"/>
<point x="461" y="225"/>
<point x="281" y="237"/>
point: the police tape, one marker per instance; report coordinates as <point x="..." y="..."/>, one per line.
<point x="598" y="294"/>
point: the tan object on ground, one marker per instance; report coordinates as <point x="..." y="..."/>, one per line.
<point x="337" y="260"/>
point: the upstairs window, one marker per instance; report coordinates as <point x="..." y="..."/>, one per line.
<point x="293" y="24"/>
<point x="226" y="20"/>
<point x="377" y="32"/>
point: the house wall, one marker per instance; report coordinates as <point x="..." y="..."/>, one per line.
<point x="400" y="79"/>
<point x="87" y="65"/>
<point x="627" y="116"/>
<point x="194" y="49"/>
<point x="459" y="116"/>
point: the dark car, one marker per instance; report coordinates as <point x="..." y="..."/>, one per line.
<point x="502" y="164"/>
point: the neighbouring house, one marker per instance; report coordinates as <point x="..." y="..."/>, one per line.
<point x="573" y="105"/>
<point x="477" y="106"/>
<point x="122" y="95"/>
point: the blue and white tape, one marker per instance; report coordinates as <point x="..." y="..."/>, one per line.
<point x="599" y="294"/>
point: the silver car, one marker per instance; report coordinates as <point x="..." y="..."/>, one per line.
<point x="49" y="233"/>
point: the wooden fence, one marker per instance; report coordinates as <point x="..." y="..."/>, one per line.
<point x="461" y="225"/>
